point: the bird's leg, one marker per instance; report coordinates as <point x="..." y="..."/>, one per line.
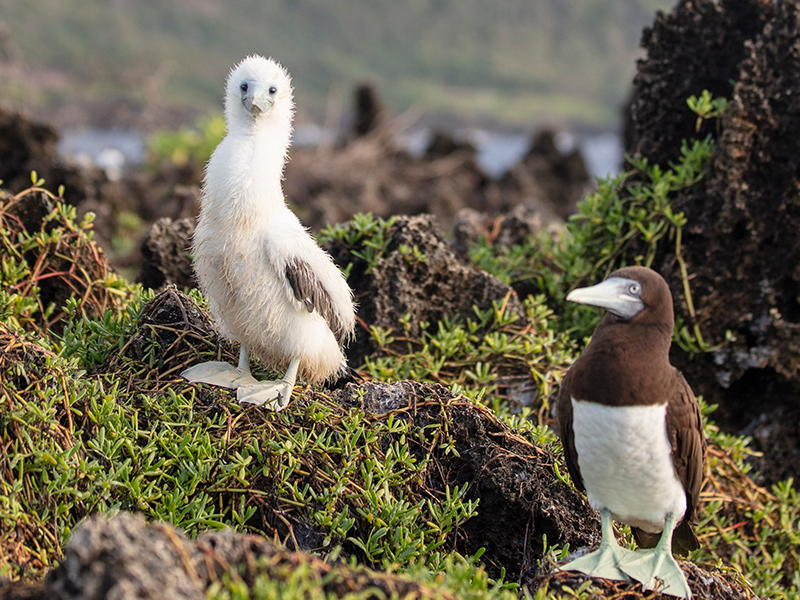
<point x="656" y="568"/>
<point x="244" y="359"/>
<point x="603" y="561"/>
<point x="222" y="374"/>
<point x="277" y="393"/>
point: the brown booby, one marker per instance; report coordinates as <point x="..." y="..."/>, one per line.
<point x="268" y="284"/>
<point x="632" y="433"/>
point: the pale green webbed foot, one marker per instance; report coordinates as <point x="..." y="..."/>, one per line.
<point x="218" y="373"/>
<point x="222" y="374"/>
<point x="656" y="568"/>
<point x="277" y="393"/>
<point x="604" y="561"/>
<point x="248" y="388"/>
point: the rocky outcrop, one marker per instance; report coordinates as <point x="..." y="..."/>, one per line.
<point x="741" y="243"/>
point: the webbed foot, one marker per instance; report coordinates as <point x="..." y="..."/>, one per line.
<point x="604" y="561"/>
<point x="277" y="393"/>
<point x="656" y="568"/>
<point x="600" y="563"/>
<point x="218" y="373"/>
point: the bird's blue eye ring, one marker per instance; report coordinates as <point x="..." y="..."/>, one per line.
<point x="244" y="87"/>
<point x="635" y="289"/>
<point x="273" y="90"/>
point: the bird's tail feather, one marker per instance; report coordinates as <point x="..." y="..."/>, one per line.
<point x="345" y="376"/>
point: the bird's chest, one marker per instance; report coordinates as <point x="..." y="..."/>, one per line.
<point x="625" y="460"/>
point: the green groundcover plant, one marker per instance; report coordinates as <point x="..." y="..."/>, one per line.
<point x="88" y="426"/>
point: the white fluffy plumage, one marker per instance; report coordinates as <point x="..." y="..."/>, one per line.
<point x="268" y="283"/>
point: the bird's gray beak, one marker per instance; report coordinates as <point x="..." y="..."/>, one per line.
<point x="257" y="99"/>
<point x="617" y="295"/>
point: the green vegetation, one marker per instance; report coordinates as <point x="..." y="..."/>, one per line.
<point x="94" y="417"/>
<point x="755" y="530"/>
<point x="365" y="236"/>
<point x="516" y="62"/>
<point x="36" y="265"/>
<point x="622" y="223"/>
<point x="168" y="454"/>
<point x="187" y="145"/>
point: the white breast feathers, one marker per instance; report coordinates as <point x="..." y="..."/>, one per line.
<point x="625" y="460"/>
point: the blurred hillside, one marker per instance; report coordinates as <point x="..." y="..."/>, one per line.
<point x="512" y="62"/>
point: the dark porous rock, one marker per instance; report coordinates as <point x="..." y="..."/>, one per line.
<point x="517" y="225"/>
<point x="698" y="46"/>
<point x="520" y="497"/>
<point x="444" y="143"/>
<point x="419" y="275"/>
<point x="740" y="244"/>
<point x="368" y="110"/>
<point x="778" y="434"/>
<point x="510" y="229"/>
<point x="165" y="254"/>
<point x="25" y="146"/>
<point x="126" y="559"/>
<point x="468" y="227"/>
<point x="29" y="211"/>
<point x="549" y="180"/>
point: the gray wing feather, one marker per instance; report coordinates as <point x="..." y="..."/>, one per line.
<point x="310" y="292"/>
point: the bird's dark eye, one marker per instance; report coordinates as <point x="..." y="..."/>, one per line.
<point x="273" y="90"/>
<point x="244" y="87"/>
<point x="634" y="289"/>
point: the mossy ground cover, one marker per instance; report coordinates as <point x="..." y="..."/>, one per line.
<point x="94" y="417"/>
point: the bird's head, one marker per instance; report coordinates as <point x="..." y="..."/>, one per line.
<point x="257" y="89"/>
<point x="630" y="293"/>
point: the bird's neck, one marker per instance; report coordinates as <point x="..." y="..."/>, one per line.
<point x="254" y="161"/>
<point x="269" y="144"/>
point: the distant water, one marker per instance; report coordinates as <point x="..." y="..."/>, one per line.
<point x="498" y="151"/>
<point x="109" y="149"/>
<point x="113" y="149"/>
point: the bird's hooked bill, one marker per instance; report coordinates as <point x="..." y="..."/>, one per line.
<point x="617" y="295"/>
